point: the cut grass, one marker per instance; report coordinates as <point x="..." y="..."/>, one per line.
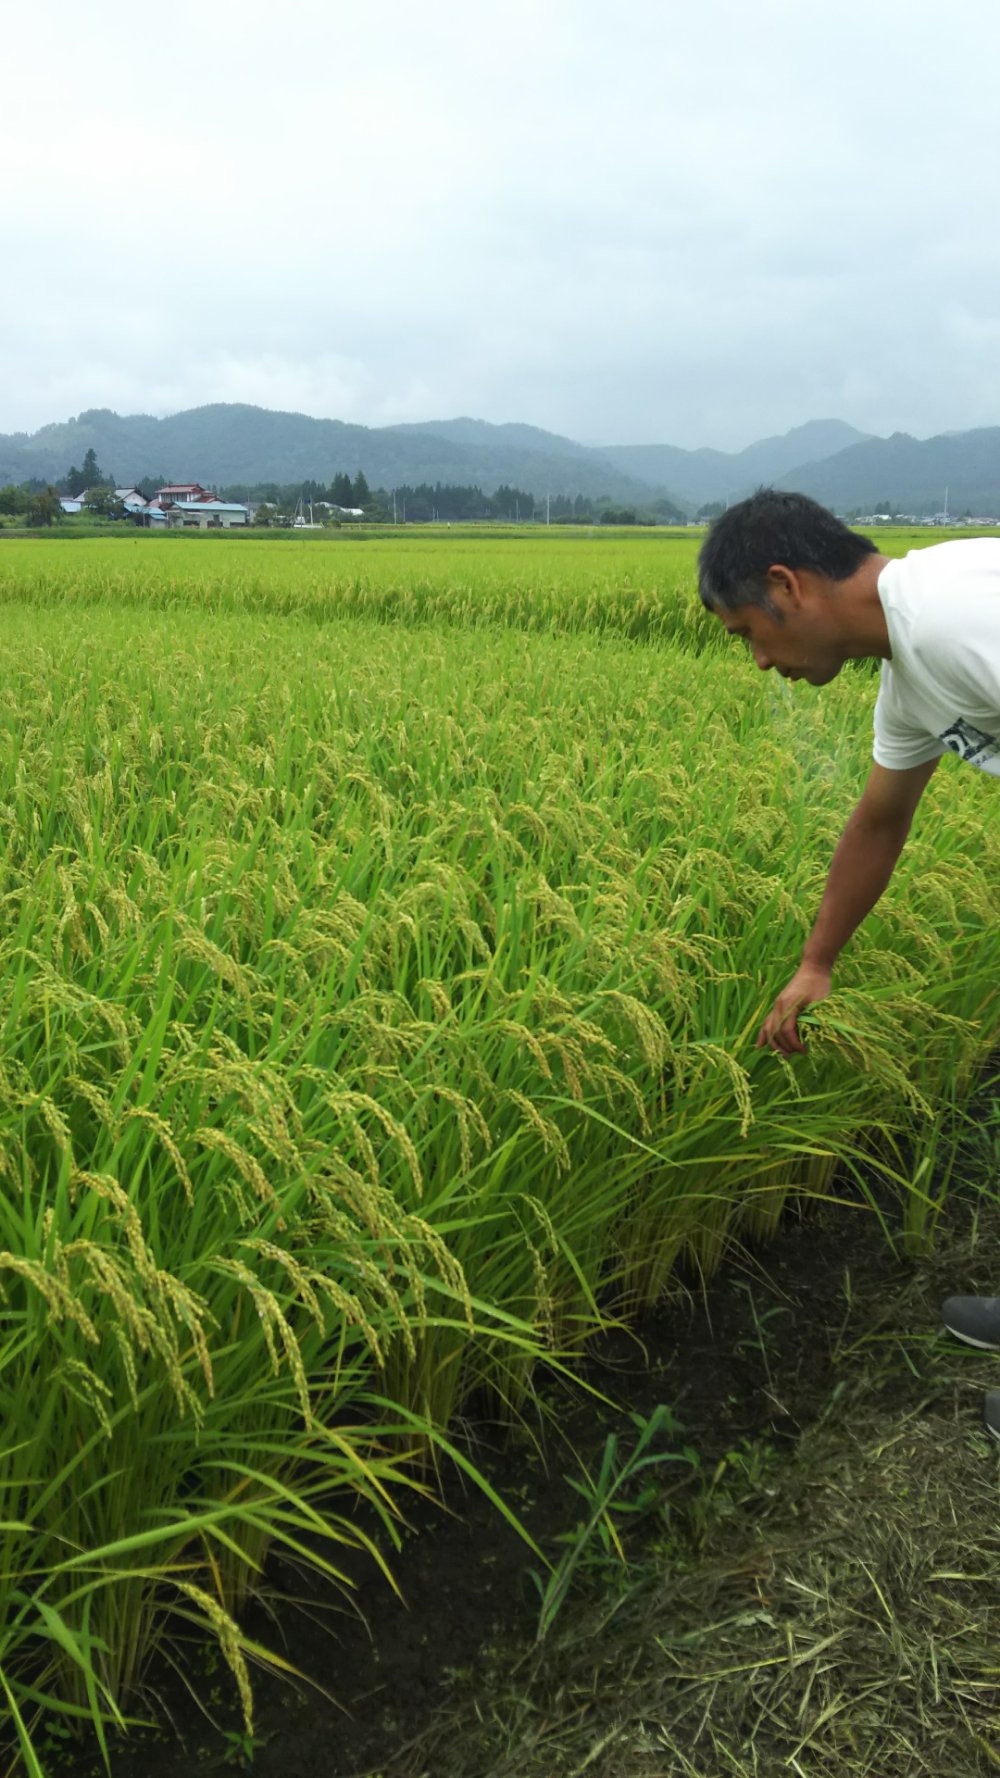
<point x="833" y="1611"/>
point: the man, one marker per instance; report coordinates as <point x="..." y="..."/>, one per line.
<point x="808" y="594"/>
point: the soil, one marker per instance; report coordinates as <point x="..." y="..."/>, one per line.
<point x="747" y="1366"/>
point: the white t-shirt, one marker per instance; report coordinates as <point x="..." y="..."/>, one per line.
<point x="940" y="692"/>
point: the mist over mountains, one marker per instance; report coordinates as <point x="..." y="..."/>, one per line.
<point x="228" y="443"/>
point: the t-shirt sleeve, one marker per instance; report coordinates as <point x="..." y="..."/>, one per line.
<point x="898" y="745"/>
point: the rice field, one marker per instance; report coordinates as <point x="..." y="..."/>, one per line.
<point x="386" y="929"/>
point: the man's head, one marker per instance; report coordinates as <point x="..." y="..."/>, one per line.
<point x="767" y="570"/>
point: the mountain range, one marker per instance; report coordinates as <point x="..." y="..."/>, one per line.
<point x="226" y="444"/>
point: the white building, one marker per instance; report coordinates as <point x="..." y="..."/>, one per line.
<point x="130" y="498"/>
<point x="204" y="515"/>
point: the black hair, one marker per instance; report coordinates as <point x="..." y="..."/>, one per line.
<point x="773" y="527"/>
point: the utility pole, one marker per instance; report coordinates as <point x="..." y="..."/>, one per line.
<point x="547" y="499"/>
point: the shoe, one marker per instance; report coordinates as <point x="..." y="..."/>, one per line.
<point x="974" y="1319"/>
<point x="991" y="1411"/>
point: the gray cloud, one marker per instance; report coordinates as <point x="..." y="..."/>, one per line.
<point x="648" y="224"/>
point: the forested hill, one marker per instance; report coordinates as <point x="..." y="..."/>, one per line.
<point x="904" y="474"/>
<point x="229" y="443"/>
<point x="232" y="445"/>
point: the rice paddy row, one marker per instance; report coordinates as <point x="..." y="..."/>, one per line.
<point x="380" y="980"/>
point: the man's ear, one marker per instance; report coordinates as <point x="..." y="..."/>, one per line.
<point x="784" y="587"/>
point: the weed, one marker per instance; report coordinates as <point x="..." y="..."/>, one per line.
<point x="595" y="1544"/>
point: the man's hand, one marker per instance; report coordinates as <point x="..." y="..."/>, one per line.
<point x="861" y="867"/>
<point x="780" y="1031"/>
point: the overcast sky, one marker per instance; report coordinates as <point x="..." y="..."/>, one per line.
<point x="647" y="222"/>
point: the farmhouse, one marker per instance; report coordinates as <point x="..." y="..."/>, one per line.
<point x="182" y="493"/>
<point x="189" y="506"/>
<point x="130" y="498"/>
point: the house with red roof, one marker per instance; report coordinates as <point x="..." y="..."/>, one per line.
<point x="188" y="506"/>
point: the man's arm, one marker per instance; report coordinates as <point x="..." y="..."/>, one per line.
<point x="860" y="870"/>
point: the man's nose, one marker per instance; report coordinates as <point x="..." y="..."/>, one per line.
<point x="762" y="660"/>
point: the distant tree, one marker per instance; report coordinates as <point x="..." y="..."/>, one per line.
<point x="76" y="482"/>
<point x="104" y="503"/>
<point x="341" y="491"/>
<point x="259" y="494"/>
<point x="360" y="492"/>
<point x="514" y="504"/>
<point x="43" y="508"/>
<point x="712" y="509"/>
<point x="12" y="500"/>
<point x="92" y="476"/>
<point x="417" y="503"/>
<point x="265" y="514"/>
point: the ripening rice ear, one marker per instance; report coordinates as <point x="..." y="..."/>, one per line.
<point x="384" y="946"/>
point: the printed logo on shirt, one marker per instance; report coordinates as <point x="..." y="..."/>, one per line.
<point x="972" y="745"/>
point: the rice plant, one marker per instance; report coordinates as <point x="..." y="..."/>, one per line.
<point x="383" y="953"/>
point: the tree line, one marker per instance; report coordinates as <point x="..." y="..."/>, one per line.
<point x="424" y="503"/>
<point x="37" y="502"/>
<point x="281" y="498"/>
<point x="275" y="503"/>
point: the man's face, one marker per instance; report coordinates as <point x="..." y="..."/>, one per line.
<point x="791" y="638"/>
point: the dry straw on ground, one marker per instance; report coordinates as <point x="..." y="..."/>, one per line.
<point x="830" y="1611"/>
